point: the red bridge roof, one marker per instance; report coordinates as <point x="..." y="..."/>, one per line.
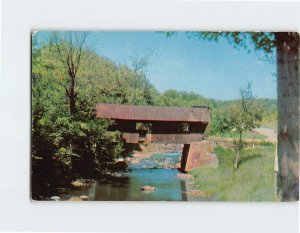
<point x="151" y="113"/>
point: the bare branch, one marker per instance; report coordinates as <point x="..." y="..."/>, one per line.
<point x="67" y="91"/>
<point x="80" y="52"/>
<point x="60" y="56"/>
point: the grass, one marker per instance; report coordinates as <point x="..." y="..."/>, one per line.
<point x="254" y="180"/>
<point x="246" y="135"/>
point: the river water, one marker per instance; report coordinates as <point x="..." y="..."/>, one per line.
<point x="126" y="186"/>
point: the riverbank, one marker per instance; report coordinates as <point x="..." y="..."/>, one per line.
<point x="254" y="180"/>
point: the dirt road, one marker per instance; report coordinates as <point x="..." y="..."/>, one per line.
<point x="270" y="133"/>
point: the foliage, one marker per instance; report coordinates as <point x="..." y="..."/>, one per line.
<point x="60" y="137"/>
<point x="241" y="116"/>
<point x="261" y="40"/>
<point x="245" y="114"/>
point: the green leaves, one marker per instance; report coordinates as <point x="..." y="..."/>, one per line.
<point x="65" y="156"/>
<point x="65" y="139"/>
<point x="241" y="115"/>
<point x="259" y="40"/>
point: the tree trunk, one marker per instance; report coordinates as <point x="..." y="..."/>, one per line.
<point x="236" y="164"/>
<point x="72" y="95"/>
<point x="287" y="45"/>
<point x="238" y="151"/>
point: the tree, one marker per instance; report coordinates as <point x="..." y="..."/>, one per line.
<point x="288" y="85"/>
<point x="242" y="116"/>
<point x="286" y="45"/>
<point x="67" y="145"/>
<point x="69" y="48"/>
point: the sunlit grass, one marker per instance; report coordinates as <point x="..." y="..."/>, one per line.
<point x="246" y="135"/>
<point x="254" y="180"/>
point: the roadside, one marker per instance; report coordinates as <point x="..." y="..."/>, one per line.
<point x="269" y="133"/>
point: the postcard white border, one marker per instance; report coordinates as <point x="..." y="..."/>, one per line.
<point x="17" y="212"/>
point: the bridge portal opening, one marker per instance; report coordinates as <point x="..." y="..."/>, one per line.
<point x="144" y="131"/>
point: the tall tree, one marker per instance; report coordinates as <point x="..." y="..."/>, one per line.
<point x="69" y="48"/>
<point x="286" y="45"/>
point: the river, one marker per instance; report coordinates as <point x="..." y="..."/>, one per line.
<point x="126" y="186"/>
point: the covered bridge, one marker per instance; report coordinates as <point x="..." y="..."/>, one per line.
<point x="181" y="125"/>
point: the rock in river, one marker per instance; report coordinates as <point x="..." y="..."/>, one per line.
<point x="148" y="188"/>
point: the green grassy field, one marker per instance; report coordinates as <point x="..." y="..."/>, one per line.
<point x="254" y="180"/>
<point x="247" y="135"/>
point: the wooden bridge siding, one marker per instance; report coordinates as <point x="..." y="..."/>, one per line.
<point x="198" y="127"/>
<point x="174" y="127"/>
<point x="163" y="138"/>
<point x="130" y="137"/>
<point x="176" y="138"/>
<point x="166" y="128"/>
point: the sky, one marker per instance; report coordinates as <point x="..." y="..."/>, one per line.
<point x="211" y="69"/>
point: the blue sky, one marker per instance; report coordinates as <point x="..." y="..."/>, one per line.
<point x="214" y="70"/>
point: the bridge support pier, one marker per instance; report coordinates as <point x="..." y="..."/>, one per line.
<point x="198" y="154"/>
